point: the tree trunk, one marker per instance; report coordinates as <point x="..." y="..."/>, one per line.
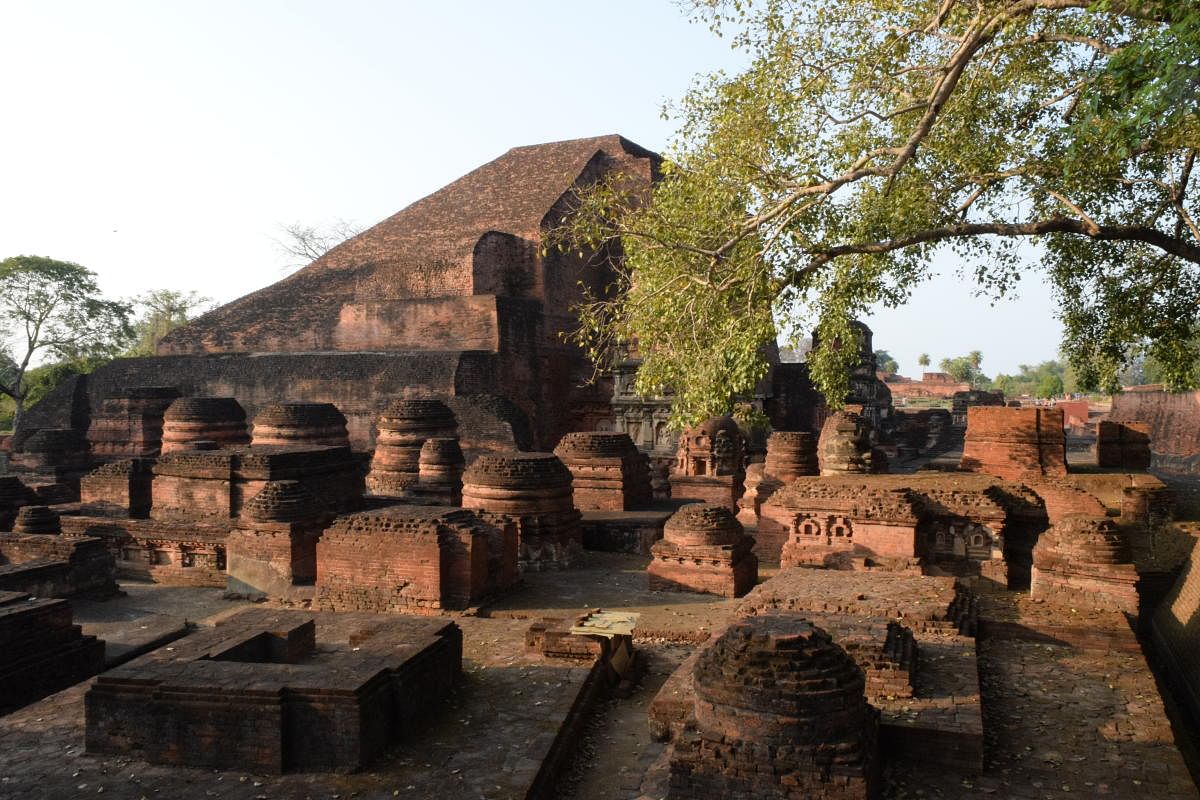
<point x="18" y="415"/>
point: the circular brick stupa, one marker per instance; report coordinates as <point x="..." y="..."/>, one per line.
<point x="704" y="549"/>
<point x="440" y="469"/>
<point x="204" y="419"/>
<point x="610" y="473"/>
<point x="535" y="490"/>
<point x="403" y="428"/>
<point x="1085" y="561"/>
<point x="790" y="455"/>
<point x="282" y="501"/>
<point x="302" y="424"/>
<point x="780" y="713"/>
<point x="37" y="519"/>
<point x="845" y="444"/>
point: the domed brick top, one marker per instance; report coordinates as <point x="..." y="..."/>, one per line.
<point x="845" y="444"/>
<point x="301" y="424"/>
<point x="442" y="452"/>
<point x="1083" y="539"/>
<point x="790" y="455"/>
<point x="779" y="680"/>
<point x="192" y="419"/>
<point x="37" y="519"/>
<point x="418" y="414"/>
<point x="703" y="524"/>
<point x="587" y="445"/>
<point x="711" y="427"/>
<point x="282" y="501"/>
<point x="513" y="470"/>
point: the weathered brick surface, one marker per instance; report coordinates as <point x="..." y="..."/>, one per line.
<point x="403" y="429"/>
<point x="221" y="420"/>
<point x="252" y="694"/>
<point x="1015" y="443"/>
<point x="1176" y="630"/>
<point x="704" y="549"/>
<point x="535" y="490"/>
<point x="168" y="552"/>
<point x="130" y="425"/>
<point x="1172" y="421"/>
<point x="1085" y="561"/>
<point x="1124" y="445"/>
<point x="780" y="713"/>
<point x="124" y="486"/>
<point x="297" y="423"/>
<point x="41" y="650"/>
<point x="710" y="464"/>
<point x="416" y="559"/>
<point x="274" y="547"/>
<point x="609" y="473"/>
<point x="13" y="494"/>
<point x="845" y="445"/>
<point x="52" y="565"/>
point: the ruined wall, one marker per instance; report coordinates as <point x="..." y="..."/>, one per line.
<point x="1174" y="423"/>
<point x="1176" y="631"/>
<point x="1015" y="443"/>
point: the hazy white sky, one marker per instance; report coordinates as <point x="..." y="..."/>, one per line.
<point x="161" y="144"/>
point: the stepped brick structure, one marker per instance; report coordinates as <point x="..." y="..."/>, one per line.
<point x="303" y="424"/>
<point x="453" y="296"/>
<point x="254" y="693"/>
<point x="534" y="489"/>
<point x="188" y="420"/>
<point x="958" y="521"/>
<point x="403" y="429"/>
<point x="130" y="425"/>
<point x="41" y="649"/>
<point x="440" y="471"/>
<point x="274" y="546"/>
<point x="1015" y="443"/>
<point x="415" y="559"/>
<point x="122" y="488"/>
<point x="37" y="519"/>
<point x="1085" y="562"/>
<point x="50" y="565"/>
<point x="845" y="444"/>
<point x="704" y="549"/>
<point x="213" y="484"/>
<point x="609" y="473"/>
<point x="780" y="713"/>
<point x="1124" y="445"/>
<point x="710" y="463"/>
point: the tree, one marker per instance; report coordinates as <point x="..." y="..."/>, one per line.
<point x="162" y="311"/>
<point x="923" y="360"/>
<point x="867" y="134"/>
<point x="885" y="363"/>
<point x="53" y="307"/>
<point x="965" y="369"/>
<point x="1050" y="386"/>
<point x="306" y="243"/>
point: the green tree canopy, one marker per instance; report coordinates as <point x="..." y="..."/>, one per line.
<point x="1050" y="386"/>
<point x="965" y="369"/>
<point x="53" y="308"/>
<point x="160" y="312"/>
<point x="1047" y="379"/>
<point x="885" y="363"/>
<point x="867" y="134"/>
<point x="923" y="360"/>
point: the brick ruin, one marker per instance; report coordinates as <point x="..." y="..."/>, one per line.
<point x="273" y="547"/>
<point x="845" y="445"/>
<point x="255" y="693"/>
<point x="41" y="649"/>
<point x="403" y="428"/>
<point x="217" y="420"/>
<point x="1015" y="443"/>
<point x="534" y="490"/>
<point x="710" y="463"/>
<point x="608" y="472"/>
<point x="289" y="424"/>
<point x="417" y="559"/>
<point x="1123" y="445"/>
<point x="704" y="549"/>
<point x="1086" y="562"/>
<point x="130" y="425"/>
<point x="779" y="713"/>
<point x="790" y="455"/>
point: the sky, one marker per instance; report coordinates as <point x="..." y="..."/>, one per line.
<point x="163" y="145"/>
